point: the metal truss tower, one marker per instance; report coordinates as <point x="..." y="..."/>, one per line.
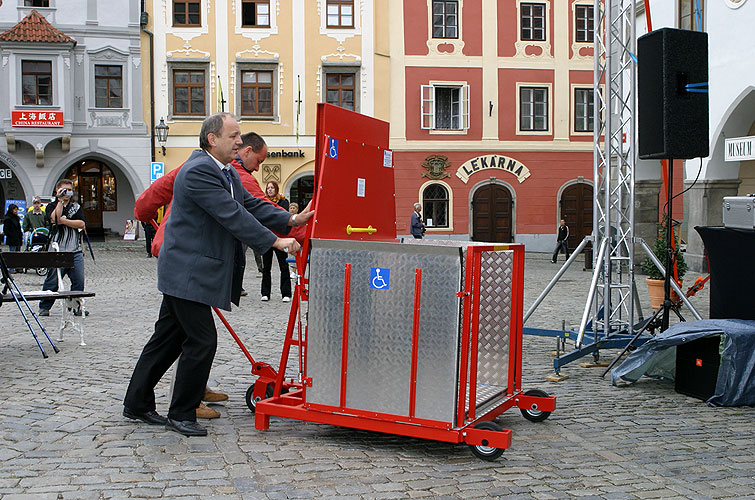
<point x="610" y="303"/>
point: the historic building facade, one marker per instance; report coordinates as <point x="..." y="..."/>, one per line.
<point x="269" y="62"/>
<point x="492" y="117"/>
<point x="71" y="71"/>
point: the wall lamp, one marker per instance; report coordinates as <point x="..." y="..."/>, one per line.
<point x="161" y="131"/>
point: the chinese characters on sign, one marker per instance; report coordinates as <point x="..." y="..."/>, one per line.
<point x="35" y="118"/>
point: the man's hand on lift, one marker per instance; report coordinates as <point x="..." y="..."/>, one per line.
<point x="301" y="218"/>
<point x="289" y="245"/>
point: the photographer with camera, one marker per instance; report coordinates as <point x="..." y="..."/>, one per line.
<point x="66" y="219"/>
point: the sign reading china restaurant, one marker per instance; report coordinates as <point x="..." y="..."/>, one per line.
<point x="489" y="162"/>
<point x="36" y="118"/>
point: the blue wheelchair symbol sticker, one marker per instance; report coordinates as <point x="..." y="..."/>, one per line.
<point x="380" y="278"/>
<point x="333" y="148"/>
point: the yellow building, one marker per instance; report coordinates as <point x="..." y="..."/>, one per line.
<point x="269" y="62"/>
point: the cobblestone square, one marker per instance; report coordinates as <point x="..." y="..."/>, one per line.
<point x="63" y="435"/>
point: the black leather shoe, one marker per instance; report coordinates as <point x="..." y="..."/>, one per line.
<point x="151" y="417"/>
<point x="186" y="427"/>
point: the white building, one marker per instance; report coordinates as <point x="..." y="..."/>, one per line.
<point x="729" y="24"/>
<point x="71" y="71"/>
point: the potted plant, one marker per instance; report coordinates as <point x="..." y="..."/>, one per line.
<point x="655" y="277"/>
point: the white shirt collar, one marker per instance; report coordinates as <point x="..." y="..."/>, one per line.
<point x="220" y="165"/>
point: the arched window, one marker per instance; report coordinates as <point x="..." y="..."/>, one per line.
<point x="435" y="205"/>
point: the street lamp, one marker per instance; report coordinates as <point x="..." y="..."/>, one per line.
<point x="161" y="131"/>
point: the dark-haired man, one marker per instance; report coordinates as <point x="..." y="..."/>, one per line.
<point x="201" y="266"/>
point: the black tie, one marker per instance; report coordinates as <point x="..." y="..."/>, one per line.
<point x="227" y="175"/>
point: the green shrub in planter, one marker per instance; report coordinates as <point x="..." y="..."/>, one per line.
<point x="659" y="249"/>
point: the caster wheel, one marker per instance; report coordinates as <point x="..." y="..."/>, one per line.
<point x="487" y="452"/>
<point x="533" y="414"/>
<point x="251" y="401"/>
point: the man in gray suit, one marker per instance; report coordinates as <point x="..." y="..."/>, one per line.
<point x="201" y="266"/>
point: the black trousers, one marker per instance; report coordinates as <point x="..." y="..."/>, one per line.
<point x="184" y="328"/>
<point x="267" y="267"/>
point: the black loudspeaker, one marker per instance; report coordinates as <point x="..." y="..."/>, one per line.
<point x="697" y="364"/>
<point x="672" y="94"/>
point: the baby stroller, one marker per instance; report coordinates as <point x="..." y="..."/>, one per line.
<point x="38" y="241"/>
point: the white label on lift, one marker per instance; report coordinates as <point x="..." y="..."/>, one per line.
<point x="387" y="158"/>
<point x="360" y="188"/>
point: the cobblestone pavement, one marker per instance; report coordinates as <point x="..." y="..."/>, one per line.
<point x="63" y="435"/>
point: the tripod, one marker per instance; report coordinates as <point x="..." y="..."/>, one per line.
<point x="11" y="287"/>
<point x="660" y="317"/>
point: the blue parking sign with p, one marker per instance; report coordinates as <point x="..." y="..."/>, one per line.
<point x="157" y="170"/>
<point x="333" y="148"/>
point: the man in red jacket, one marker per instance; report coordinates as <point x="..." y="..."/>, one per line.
<point x="251" y="155"/>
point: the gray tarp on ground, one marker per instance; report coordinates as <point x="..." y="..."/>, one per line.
<point x="736" y="375"/>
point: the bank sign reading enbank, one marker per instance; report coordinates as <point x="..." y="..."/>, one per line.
<point x="488" y="162"/>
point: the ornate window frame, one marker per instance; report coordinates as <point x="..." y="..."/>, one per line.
<point x="450" y="208"/>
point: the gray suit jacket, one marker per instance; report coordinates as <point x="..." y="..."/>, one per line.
<point x="201" y="258"/>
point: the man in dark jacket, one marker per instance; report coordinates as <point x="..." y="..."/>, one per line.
<point x="561" y="241"/>
<point x="418" y="227"/>
<point x="201" y="266"/>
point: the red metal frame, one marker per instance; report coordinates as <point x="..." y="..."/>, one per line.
<point x="294" y="404"/>
<point x="355" y="130"/>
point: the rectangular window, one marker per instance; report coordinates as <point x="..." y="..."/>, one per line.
<point x="187" y="13"/>
<point x="36" y="81"/>
<point x="445" y="107"/>
<point x="257" y="93"/>
<point x="188" y="92"/>
<point x="583" y="110"/>
<point x="36" y="3"/>
<point x="533" y="21"/>
<point x="340" y="13"/>
<point x="691" y="14"/>
<point x="584" y="23"/>
<point x="340" y="89"/>
<point x="255" y="13"/>
<point x="108" y="86"/>
<point x="533" y="108"/>
<point x="445" y="19"/>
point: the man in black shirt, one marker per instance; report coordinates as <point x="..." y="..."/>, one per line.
<point x="561" y="241"/>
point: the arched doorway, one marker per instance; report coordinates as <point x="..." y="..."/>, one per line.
<point x="492" y="208"/>
<point x="94" y="182"/>
<point x="576" y="210"/>
<point x="302" y="190"/>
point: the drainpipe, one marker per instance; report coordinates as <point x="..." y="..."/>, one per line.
<point x="143" y="20"/>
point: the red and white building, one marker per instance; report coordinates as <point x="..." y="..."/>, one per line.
<point x="492" y="118"/>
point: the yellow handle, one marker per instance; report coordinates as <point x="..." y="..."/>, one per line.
<point x="369" y="229"/>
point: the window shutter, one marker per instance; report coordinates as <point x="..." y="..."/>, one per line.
<point x="465" y="107"/>
<point x="427" y="112"/>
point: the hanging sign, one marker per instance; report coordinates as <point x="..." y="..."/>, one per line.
<point x="488" y="162"/>
<point x="36" y="118"/>
<point x="739" y="149"/>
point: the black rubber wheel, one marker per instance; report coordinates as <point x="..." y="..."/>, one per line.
<point x="487" y="452"/>
<point x="533" y="414"/>
<point x="41" y="271"/>
<point x="251" y="403"/>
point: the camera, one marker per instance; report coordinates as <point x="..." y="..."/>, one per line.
<point x="65" y="192"/>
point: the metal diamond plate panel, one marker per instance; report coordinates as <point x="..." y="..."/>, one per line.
<point x="495" y="318"/>
<point x="380" y="327"/>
